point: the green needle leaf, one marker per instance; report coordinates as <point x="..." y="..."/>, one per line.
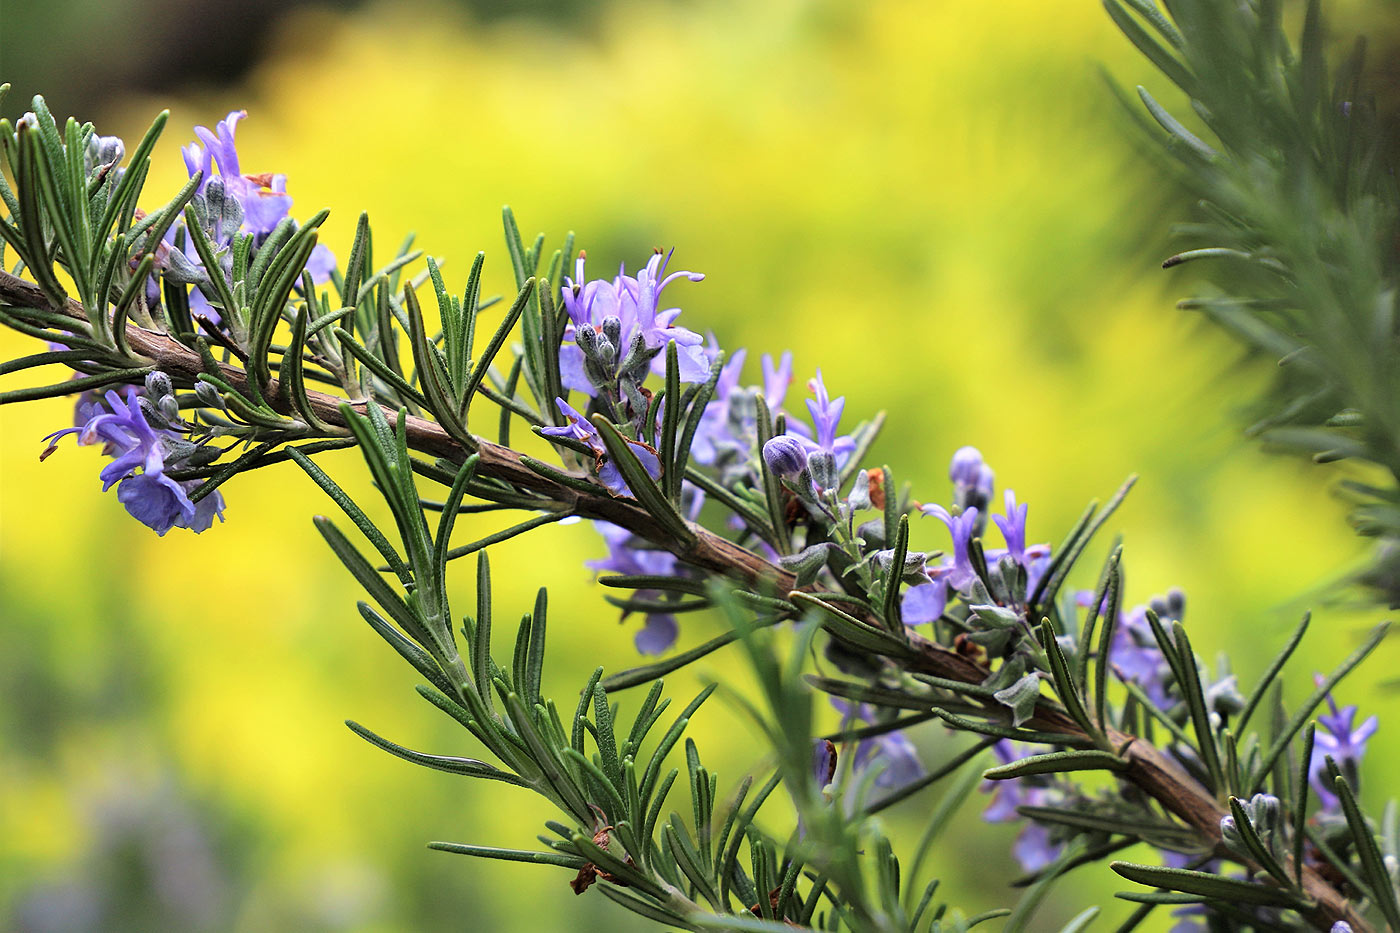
<point x="1205" y="885"/>
<point x="1057" y="763"/>
<point x="469" y="767"/>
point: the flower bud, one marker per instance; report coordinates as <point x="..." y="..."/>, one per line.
<point x="972" y="479"/>
<point x="822" y="463"/>
<point x="158" y="385"/>
<point x="153" y="415"/>
<point x="587" y="339"/>
<point x="1224" y="696"/>
<point x="223" y="208"/>
<point x="102" y="151"/>
<point x="169" y="408"/>
<point x="612" y="329"/>
<point x="637" y="361"/>
<point x="1264" y="813"/>
<point x="967" y="466"/>
<point x="785" y="456"/>
<point x="1230" y="835"/>
<point x="208" y="396"/>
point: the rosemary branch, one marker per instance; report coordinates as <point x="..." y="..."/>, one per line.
<point x="1147" y="766"/>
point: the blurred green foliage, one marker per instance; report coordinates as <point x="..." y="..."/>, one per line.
<point x="936" y="203"/>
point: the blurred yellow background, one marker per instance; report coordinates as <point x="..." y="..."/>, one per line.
<point x="937" y="203"/>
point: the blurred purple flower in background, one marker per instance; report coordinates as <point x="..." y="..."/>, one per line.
<point x="630" y="555"/>
<point x="1034" y="848"/>
<point x="1344" y="742"/>
<point x="891" y="751"/>
<point x="728" y="428"/>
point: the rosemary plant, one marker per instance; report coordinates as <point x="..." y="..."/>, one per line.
<point x="213" y="335"/>
<point x="1295" y="231"/>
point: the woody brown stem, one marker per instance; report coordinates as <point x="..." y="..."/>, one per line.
<point x="1149" y="768"/>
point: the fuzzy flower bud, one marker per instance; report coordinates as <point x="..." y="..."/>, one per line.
<point x="612" y="329"/>
<point x="158" y="384"/>
<point x="966" y="467"/>
<point x="785" y="456"/>
<point x="1264" y="812"/>
<point x="973" y="480"/>
<point x="208" y="396"/>
<point x="824" y="470"/>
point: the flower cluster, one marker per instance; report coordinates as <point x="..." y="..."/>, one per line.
<point x="727" y="438"/>
<point x="145" y="437"/>
<point x="973" y="483"/>
<point x="229" y="203"/>
<point x="144" y="432"/>
<point x="617" y="332"/>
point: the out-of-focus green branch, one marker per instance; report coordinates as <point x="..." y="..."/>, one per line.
<point x="1296" y="231"/>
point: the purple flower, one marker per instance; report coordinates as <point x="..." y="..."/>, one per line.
<point x="1036" y="560"/>
<point x="962" y="528"/>
<point x="972" y="479"/>
<point x="205" y="510"/>
<point x="152" y="497"/>
<point x="892" y="750"/>
<point x="728" y="429"/>
<point x="713" y="435"/>
<point x="124" y="432"/>
<point x="776" y="378"/>
<point x="617" y="329"/>
<point x="156" y="501"/>
<point x="582" y="430"/>
<point x="1013" y="527"/>
<point x="925" y="602"/>
<point x="826" y="417"/>
<point x="1345" y="743"/>
<point x="824" y="762"/>
<point x="658" y="634"/>
<point x="1034" y="848"/>
<point x="1136" y="656"/>
<point x="1010" y="794"/>
<point x="262" y="203"/>
<point x="630" y="555"/>
<point x="263" y="198"/>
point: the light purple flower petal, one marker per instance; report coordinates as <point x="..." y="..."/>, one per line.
<point x="659" y="633"/>
<point x="960" y="528"/>
<point x="924" y="602"/>
<point x="155" y="500"/>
